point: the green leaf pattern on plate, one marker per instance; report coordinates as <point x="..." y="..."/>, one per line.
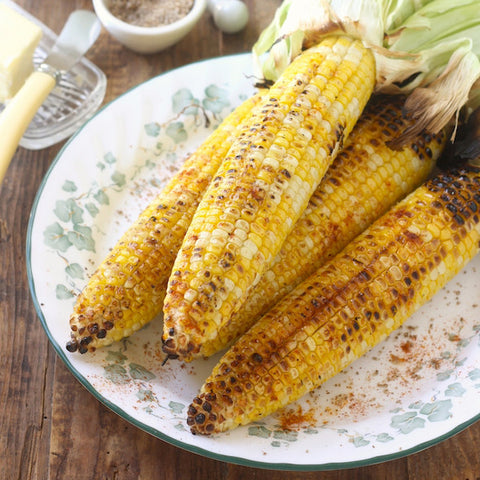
<point x="418" y="415"/>
<point x="73" y="214"/>
<point x="75" y="270"/>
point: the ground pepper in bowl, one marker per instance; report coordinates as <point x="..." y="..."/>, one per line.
<point x="150" y="13"/>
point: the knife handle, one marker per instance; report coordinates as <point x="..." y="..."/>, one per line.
<point x="18" y="114"/>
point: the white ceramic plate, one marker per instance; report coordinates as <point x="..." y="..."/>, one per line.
<point x="419" y="387"/>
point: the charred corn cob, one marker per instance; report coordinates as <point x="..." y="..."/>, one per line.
<point x="349" y="305"/>
<point x="364" y="181"/>
<point x="127" y="289"/>
<point x="262" y="187"/>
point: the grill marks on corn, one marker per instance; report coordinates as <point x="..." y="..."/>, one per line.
<point x="262" y="188"/>
<point x="348" y="306"/>
<point x="365" y="179"/>
<point x="128" y="288"/>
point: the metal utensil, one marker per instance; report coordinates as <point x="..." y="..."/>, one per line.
<point x="78" y="35"/>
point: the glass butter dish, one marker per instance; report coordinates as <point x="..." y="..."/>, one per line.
<point x="74" y="99"/>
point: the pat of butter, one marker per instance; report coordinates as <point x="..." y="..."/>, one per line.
<point x="18" y="40"/>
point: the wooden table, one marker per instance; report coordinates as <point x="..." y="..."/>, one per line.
<point x="41" y="434"/>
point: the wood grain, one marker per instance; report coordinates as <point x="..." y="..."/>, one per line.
<point x="51" y="427"/>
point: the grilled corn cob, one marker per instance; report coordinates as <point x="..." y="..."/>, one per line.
<point x="127" y="289"/>
<point x="365" y="179"/>
<point x="349" y="305"/>
<point x="262" y="187"/>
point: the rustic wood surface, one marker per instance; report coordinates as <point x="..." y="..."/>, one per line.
<point x="43" y="434"/>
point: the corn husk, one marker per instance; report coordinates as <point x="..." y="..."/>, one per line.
<point x="429" y="50"/>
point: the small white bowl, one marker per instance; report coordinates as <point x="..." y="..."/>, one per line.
<point x="148" y="39"/>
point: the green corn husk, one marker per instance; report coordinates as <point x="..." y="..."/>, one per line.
<point x="427" y="49"/>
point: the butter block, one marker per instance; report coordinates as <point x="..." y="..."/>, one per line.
<point x="18" y="40"/>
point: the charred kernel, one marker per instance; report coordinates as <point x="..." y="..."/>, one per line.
<point x="356" y="326"/>
<point x="452" y="208"/>
<point x="93" y="328"/>
<point x="82" y="349"/>
<point x="86" y="340"/>
<point x="197" y="400"/>
<point x="472" y="206"/>
<point x="192" y="410"/>
<point x="209" y="428"/>
<point x="343" y="337"/>
<point x="210" y="397"/>
<point x="102" y="333"/>
<point x="257" y="358"/>
<point x="72" y="346"/>
<point x="171" y="331"/>
<point x="407" y="281"/>
<point x="365" y="275"/>
<point x="207" y="406"/>
<point x="190" y="422"/>
<point x="108" y="325"/>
